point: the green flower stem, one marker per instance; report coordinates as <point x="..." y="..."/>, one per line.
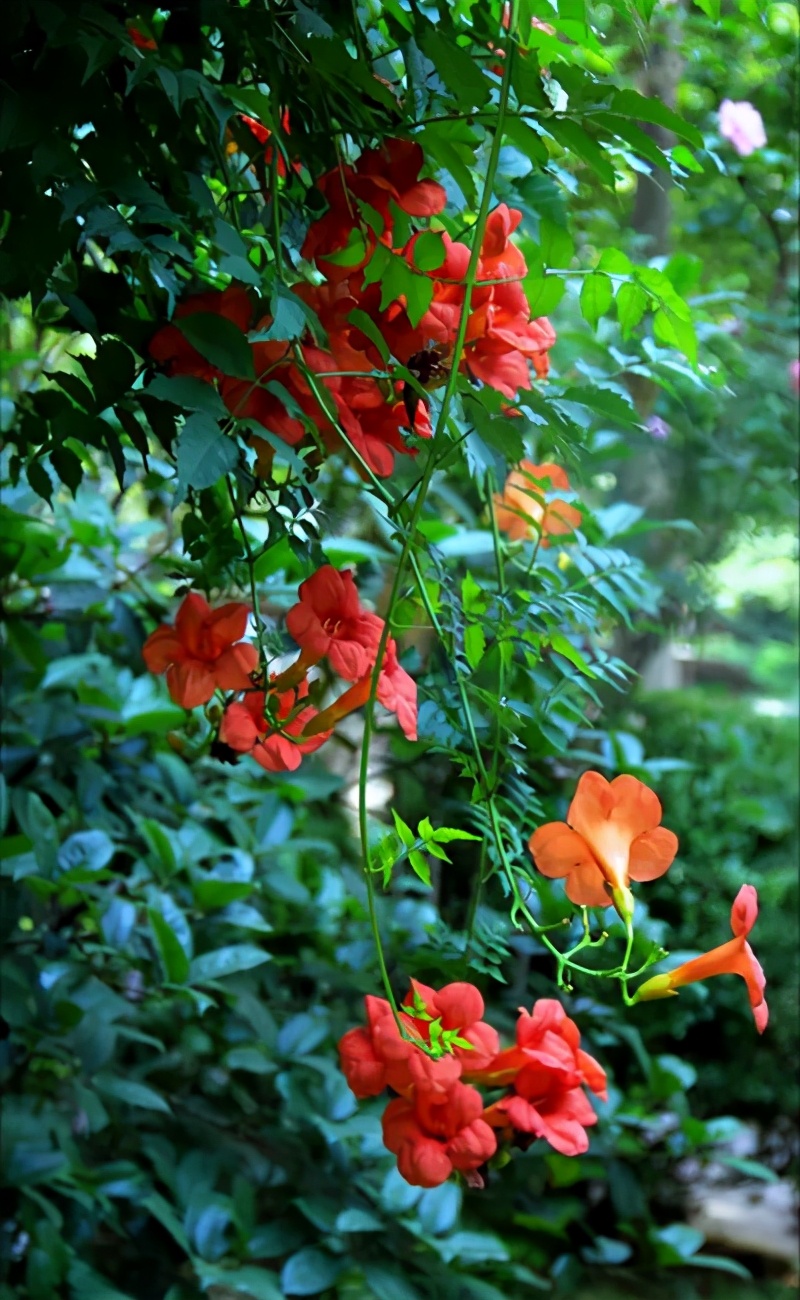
<point x="262" y="653"/>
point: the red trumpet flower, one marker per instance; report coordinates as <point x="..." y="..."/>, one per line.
<point x="247" y="728"/>
<point x="432" y="1136"/>
<point x="203" y="652"/>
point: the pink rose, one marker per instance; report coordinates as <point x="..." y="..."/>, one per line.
<point x="794" y="375"/>
<point x="741" y="124"/>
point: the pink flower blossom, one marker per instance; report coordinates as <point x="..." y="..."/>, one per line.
<point x="658" y="428"/>
<point x="742" y="125"/>
<point x="794" y="375"/>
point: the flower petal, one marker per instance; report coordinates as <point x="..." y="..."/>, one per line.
<point x="652" y="854"/>
<point x="161" y="649"/>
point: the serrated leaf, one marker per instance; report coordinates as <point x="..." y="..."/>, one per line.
<point x="675" y="332"/>
<point x="631" y="301"/>
<point x="544" y="293"/>
<point x="220" y="341"/>
<point x="556" y="244"/>
<point x="187" y="392"/>
<point x="204" y="453"/>
<point x="597" y="296"/>
<point x="645" y="109"/>
<point x="428" y="251"/>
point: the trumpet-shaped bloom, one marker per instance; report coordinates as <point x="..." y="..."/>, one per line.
<point x="396" y="691"/>
<point x="500" y="259"/>
<point x="204" y="651"/>
<point x="379" y="1056"/>
<point x="612" y="836"/>
<point x="247" y="728"/>
<point x="434" y="1135"/>
<point x="522" y="511"/>
<point x="328" y="622"/>
<point x="735" y="957"/>
<point x="545" y="1071"/>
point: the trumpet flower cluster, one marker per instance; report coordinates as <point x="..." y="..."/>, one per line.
<point x="334" y="384"/>
<point x="459" y="1096"/>
<point x="268" y="715"/>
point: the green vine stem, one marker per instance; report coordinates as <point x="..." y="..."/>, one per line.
<point x="419" y="501"/>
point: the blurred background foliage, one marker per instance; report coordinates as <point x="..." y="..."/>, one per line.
<point x="185" y="941"/>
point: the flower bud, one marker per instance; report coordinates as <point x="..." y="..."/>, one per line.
<point x="660" y="986"/>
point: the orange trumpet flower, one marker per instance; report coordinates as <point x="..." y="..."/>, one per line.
<point x="735" y="957"/>
<point x="612" y="836"/>
<point x="522" y="511"/>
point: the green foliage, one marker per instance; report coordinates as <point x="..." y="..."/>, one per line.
<point x="187" y="938"/>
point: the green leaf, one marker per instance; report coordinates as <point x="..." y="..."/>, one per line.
<point x="671" y="329"/>
<point x="544" y="293"/>
<point x="425" y="829"/>
<point x="420" y="866"/>
<point x="368" y="327"/>
<point x="168" y="1218"/>
<point x="712" y="8"/>
<point x="309" y="1271"/>
<point x="631" y="303"/>
<point x="429" y="253"/>
<point x="289" y="315"/>
<point x="173" y="958"/>
<point x="642" y="108"/>
<point x="575" y="140"/>
<point x="684" y="158"/>
<point x="459" y="72"/>
<point x="597" y="296"/>
<point x="250" y="1282"/>
<point x="405" y="832"/>
<point x="446" y="834"/>
<point x="750" y="1168"/>
<point x="211" y="894"/>
<point x="134" y="1094"/>
<point x="614" y="262"/>
<point x="220" y="341"/>
<point x="419" y="296"/>
<point x="562" y="646"/>
<point x="226" y="961"/>
<point x="721" y="1263"/>
<point x="187" y="392"/>
<point x="556" y="244"/>
<point x="204" y="453"/>
<point x="474" y="644"/>
<point x="355" y="1220"/>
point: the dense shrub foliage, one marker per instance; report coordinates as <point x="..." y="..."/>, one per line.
<point x="389" y="391"/>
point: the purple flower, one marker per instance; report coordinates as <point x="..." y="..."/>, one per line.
<point x="741" y="123"/>
<point x="659" y="428"/>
